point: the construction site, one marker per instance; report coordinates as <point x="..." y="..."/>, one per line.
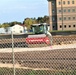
<point x="60" y="55"/>
<point x="39" y="51"/>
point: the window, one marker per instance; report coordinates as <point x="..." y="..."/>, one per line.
<point x="69" y="18"/>
<point x="68" y="2"/>
<point x="73" y="25"/>
<point x="64" y="10"/>
<point x="59" y="11"/>
<point x="53" y="26"/>
<point x="73" y="10"/>
<point x="60" y="26"/>
<point x="59" y="3"/>
<point x="64" y="18"/>
<point x="60" y="18"/>
<point x="64" y="26"/>
<point x="20" y="31"/>
<point x="72" y="2"/>
<point x="53" y="19"/>
<point x="63" y="2"/>
<point x="69" y="26"/>
<point x="53" y="11"/>
<point x="53" y="3"/>
<point x="73" y="18"/>
<point x="68" y="10"/>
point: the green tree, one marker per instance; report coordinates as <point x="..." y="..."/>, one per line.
<point x="28" y="22"/>
<point x="5" y="25"/>
<point x="14" y="22"/>
<point x="0" y="26"/>
<point x="40" y="20"/>
<point x="44" y="19"/>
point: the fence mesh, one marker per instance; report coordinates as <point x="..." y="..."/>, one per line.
<point x="58" y="58"/>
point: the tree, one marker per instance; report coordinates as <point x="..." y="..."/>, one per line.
<point x="28" y="22"/>
<point x="0" y="26"/>
<point x="44" y="19"/>
<point x="6" y="26"/>
<point x="40" y="20"/>
<point x="14" y="22"/>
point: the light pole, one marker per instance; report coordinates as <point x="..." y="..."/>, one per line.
<point x="62" y="14"/>
<point x="13" y="54"/>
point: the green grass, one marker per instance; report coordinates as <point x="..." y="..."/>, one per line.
<point x="9" y="71"/>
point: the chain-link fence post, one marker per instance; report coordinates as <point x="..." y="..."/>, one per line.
<point x="13" y="54"/>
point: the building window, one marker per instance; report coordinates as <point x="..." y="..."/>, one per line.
<point x="53" y="3"/>
<point x="53" y="19"/>
<point x="73" y="18"/>
<point x="68" y="10"/>
<point x="59" y="3"/>
<point x="60" y="26"/>
<point x="59" y="11"/>
<point x="53" y="26"/>
<point x="69" y="18"/>
<point x="64" y="26"/>
<point x="73" y="10"/>
<point x="64" y="18"/>
<point x="69" y="26"/>
<point x="60" y="18"/>
<point x="63" y="2"/>
<point x="20" y="31"/>
<point x="64" y="10"/>
<point x="73" y="25"/>
<point x="68" y="2"/>
<point x="72" y="2"/>
<point x="53" y="11"/>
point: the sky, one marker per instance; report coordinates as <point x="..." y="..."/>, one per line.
<point x="18" y="10"/>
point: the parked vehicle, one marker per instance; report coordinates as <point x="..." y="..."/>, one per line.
<point x="40" y="36"/>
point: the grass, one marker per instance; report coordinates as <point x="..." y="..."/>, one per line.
<point x="9" y="71"/>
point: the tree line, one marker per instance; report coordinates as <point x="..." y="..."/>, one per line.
<point x="27" y="22"/>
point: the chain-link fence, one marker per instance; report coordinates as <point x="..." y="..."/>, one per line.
<point x="17" y="57"/>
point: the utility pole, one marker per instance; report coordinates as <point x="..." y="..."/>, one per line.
<point x="62" y="14"/>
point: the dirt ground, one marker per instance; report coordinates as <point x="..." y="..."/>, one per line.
<point x="18" y="66"/>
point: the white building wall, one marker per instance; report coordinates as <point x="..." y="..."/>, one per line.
<point x="2" y="31"/>
<point x="17" y="29"/>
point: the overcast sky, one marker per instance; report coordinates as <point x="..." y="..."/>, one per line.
<point x="17" y="10"/>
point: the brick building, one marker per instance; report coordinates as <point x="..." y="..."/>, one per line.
<point x="62" y="14"/>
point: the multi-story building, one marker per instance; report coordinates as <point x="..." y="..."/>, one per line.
<point x="62" y="14"/>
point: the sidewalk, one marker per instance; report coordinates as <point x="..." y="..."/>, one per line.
<point x="55" y="47"/>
